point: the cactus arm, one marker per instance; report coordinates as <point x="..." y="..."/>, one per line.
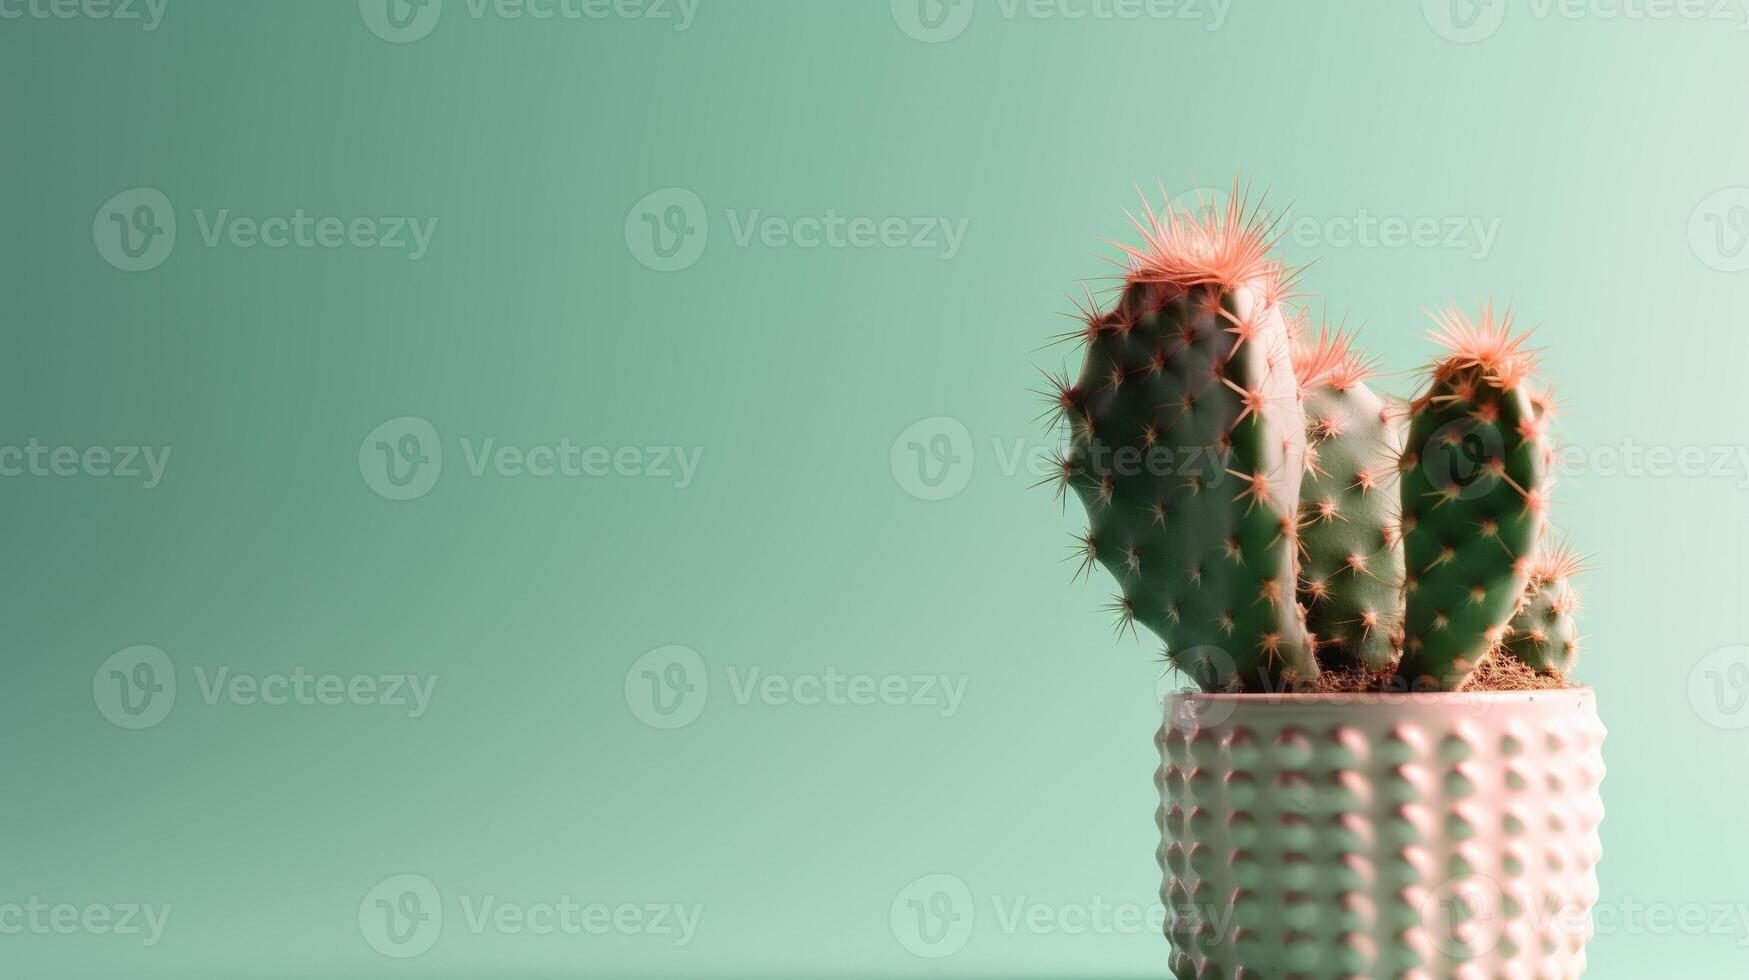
<point x="1474" y="489"/>
<point x="1186" y="450"/>
<point x="1544" y="633"/>
<point x="1351" y="570"/>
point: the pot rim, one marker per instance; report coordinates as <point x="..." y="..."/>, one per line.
<point x="1287" y="699"/>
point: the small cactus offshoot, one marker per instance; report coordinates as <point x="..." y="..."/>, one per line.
<point x="1275" y="521"/>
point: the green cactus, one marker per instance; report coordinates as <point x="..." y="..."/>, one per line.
<point x="1474" y="487"/>
<point x="1543" y="634"/>
<point x="1351" y="571"/>
<point x="1263" y="510"/>
<point x="1186" y="449"/>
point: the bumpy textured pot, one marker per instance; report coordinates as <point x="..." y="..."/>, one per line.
<point x="1414" y="836"/>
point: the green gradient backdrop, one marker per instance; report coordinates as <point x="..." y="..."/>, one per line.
<point x="800" y="545"/>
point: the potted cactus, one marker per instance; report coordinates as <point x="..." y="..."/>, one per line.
<point x="1382" y="768"/>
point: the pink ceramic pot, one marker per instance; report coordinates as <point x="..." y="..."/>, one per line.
<point x="1418" y="836"/>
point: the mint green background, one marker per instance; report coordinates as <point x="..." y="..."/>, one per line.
<point x="794" y="369"/>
